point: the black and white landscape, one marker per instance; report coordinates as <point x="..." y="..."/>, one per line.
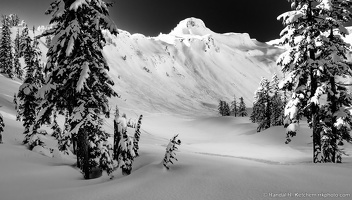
<point x="90" y="111"/>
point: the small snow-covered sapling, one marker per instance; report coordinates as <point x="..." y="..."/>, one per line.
<point x="170" y="152"/>
<point x="137" y="136"/>
<point x="2" y="125"/>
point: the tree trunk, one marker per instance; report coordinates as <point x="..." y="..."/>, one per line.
<point x="333" y="128"/>
<point x="86" y="154"/>
<point x="315" y="117"/>
<point x="83" y="151"/>
<point x="314" y="109"/>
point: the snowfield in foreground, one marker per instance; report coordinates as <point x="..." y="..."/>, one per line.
<point x="219" y="158"/>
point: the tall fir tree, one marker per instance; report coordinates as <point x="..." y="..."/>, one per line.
<point x="336" y="119"/>
<point x="18" y="71"/>
<point x="262" y="106"/>
<point x="127" y="153"/>
<point x="234" y="106"/>
<point x="224" y="108"/>
<point x="300" y="65"/>
<point x="77" y="76"/>
<point x="227" y="111"/>
<point x="277" y="104"/>
<point x="118" y="128"/>
<point x="315" y="58"/>
<point x="242" y="109"/>
<point x="6" y="57"/>
<point x="221" y="107"/>
<point x="27" y="94"/>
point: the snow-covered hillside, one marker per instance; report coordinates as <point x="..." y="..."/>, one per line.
<point x="219" y="158"/>
<point x="189" y="69"/>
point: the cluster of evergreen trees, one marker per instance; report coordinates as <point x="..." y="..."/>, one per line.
<point x="236" y="109"/>
<point x="315" y="66"/>
<point x="10" y="51"/>
<point x="268" y="105"/>
<point x="75" y="84"/>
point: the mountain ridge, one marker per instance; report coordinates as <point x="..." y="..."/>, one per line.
<point x="186" y="71"/>
<point x="196" y="66"/>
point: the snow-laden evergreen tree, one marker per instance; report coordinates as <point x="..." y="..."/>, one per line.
<point x="242" y="109"/>
<point x="227" y="111"/>
<point x="14" y="20"/>
<point x="314" y="61"/>
<point x="262" y="106"/>
<point x="6" y="57"/>
<point x="77" y="75"/>
<point x="300" y="65"/>
<point x="127" y="155"/>
<point x="24" y="42"/>
<point x="221" y="107"/>
<point x="124" y="152"/>
<point x="2" y="126"/>
<point x="277" y="105"/>
<point x="27" y="94"/>
<point x="336" y="119"/>
<point x="18" y="71"/>
<point x="234" y="106"/>
<point x="118" y="129"/>
<point x="170" y="153"/>
<point x="137" y="135"/>
<point x="224" y="108"/>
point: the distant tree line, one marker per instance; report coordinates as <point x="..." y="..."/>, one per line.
<point x="12" y="50"/>
<point x="236" y="109"/>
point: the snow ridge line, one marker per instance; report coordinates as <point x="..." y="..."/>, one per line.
<point x="270" y="162"/>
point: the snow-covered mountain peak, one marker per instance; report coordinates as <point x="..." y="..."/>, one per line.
<point x="190" y="26"/>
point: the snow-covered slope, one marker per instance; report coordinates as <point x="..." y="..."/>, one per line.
<point x="187" y="70"/>
<point x="219" y="158"/>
